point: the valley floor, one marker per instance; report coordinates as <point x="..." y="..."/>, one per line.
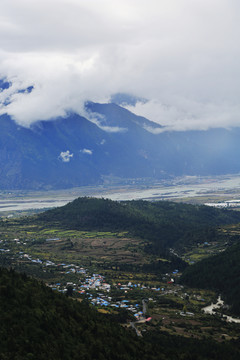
<point x="151" y="302"/>
<point x="190" y="189"/>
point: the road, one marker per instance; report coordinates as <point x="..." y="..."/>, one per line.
<point x="138" y="332"/>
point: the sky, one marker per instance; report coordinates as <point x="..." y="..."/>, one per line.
<point x="180" y="55"/>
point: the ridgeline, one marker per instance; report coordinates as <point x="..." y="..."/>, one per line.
<point x="162" y="224"/>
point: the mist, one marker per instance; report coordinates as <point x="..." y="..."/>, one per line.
<point x="182" y="56"/>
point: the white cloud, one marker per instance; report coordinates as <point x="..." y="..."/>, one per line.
<point x="65" y="156"/>
<point x="187" y="115"/>
<point x="99" y="120"/>
<point x="87" y="151"/>
<point x="183" y="55"/>
<point x="113" y="129"/>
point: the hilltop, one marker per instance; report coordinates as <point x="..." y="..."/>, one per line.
<point x="162" y="224"/>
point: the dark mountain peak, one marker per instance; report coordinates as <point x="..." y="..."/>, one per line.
<point x="114" y="115"/>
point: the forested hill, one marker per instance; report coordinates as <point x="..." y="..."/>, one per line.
<point x="220" y="273"/>
<point x="39" y="324"/>
<point x="164" y="224"/>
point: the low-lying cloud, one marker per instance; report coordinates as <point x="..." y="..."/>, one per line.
<point x="86" y="151"/>
<point x="181" y="55"/>
<point x="65" y="156"/>
<point x="187" y="115"/>
<point x="100" y="121"/>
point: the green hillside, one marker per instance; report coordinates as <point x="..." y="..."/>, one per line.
<point x="221" y="273"/>
<point x="163" y="224"/>
<point x="37" y="323"/>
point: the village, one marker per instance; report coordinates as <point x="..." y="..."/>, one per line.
<point x="96" y="290"/>
<point x="142" y="302"/>
<point x="93" y="287"/>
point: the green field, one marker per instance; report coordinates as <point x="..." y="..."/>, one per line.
<point x="52" y="251"/>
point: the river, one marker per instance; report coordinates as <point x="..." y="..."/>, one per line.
<point x="210" y="310"/>
<point x="181" y="188"/>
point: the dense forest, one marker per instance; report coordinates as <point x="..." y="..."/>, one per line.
<point x="163" y="224"/>
<point x="221" y="273"/>
<point x="37" y="323"/>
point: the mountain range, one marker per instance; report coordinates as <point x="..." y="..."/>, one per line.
<point x="109" y="141"/>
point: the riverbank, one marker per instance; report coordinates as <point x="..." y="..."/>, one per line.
<point x="219" y="304"/>
<point x="191" y="189"/>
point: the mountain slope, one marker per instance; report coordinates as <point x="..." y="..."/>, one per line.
<point x="221" y="273"/>
<point x="73" y="151"/>
<point x="67" y="152"/>
<point x="162" y="224"/>
<point x="40" y="324"/>
<point x="31" y="158"/>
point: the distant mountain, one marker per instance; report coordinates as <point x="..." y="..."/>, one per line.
<point x="75" y="151"/>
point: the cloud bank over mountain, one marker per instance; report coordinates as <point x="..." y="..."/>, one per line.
<point x="181" y="55"/>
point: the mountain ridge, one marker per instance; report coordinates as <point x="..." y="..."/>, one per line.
<point x="75" y="151"/>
